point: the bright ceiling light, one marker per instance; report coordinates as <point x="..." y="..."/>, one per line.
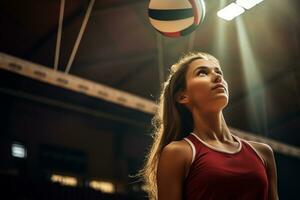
<point x="104" y="186"/>
<point x="64" y="180"/>
<point x="18" y="150"/>
<point x="231" y="11"/>
<point x="247" y="4"/>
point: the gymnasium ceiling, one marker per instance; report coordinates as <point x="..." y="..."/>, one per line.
<point x="119" y="48"/>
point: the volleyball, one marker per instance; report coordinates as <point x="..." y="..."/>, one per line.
<point x="175" y="18"/>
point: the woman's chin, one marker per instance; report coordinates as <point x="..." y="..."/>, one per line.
<point x="220" y="96"/>
<point x="220" y="103"/>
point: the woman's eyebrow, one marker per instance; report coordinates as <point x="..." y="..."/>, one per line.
<point x="205" y="67"/>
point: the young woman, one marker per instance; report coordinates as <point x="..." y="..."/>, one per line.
<point x="194" y="155"/>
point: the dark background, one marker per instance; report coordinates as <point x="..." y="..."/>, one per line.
<point x="98" y="139"/>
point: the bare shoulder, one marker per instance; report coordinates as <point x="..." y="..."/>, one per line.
<point x="264" y="149"/>
<point x="171" y="170"/>
<point x="267" y="152"/>
<point x="178" y="153"/>
<point x="261" y="146"/>
<point x="179" y="148"/>
<point x="186" y="150"/>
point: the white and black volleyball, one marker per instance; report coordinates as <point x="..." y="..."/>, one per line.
<point x="175" y="18"/>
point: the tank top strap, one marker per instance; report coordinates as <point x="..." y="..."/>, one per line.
<point x="252" y="149"/>
<point x="192" y="145"/>
<point x="195" y="145"/>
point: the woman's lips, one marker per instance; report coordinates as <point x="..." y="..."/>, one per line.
<point x="219" y="86"/>
<point x="222" y="88"/>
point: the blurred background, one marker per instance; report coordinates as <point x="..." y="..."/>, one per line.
<point x="75" y="122"/>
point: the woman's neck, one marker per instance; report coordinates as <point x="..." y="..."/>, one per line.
<point x="211" y="126"/>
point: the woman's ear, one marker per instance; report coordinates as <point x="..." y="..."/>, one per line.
<point x="182" y="98"/>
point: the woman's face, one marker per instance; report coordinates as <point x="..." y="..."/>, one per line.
<point x="202" y="75"/>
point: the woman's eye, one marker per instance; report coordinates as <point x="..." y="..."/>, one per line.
<point x="220" y="73"/>
<point x="201" y="71"/>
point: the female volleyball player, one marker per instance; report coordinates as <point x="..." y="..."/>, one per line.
<point x="194" y="155"/>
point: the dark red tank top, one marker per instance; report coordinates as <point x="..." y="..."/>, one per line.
<point x="216" y="174"/>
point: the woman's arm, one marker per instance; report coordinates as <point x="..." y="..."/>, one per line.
<point x="267" y="153"/>
<point x="171" y="171"/>
<point x="272" y="173"/>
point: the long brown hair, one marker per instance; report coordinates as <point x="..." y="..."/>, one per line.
<point x="172" y="121"/>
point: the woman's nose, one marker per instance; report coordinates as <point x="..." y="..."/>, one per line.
<point x="217" y="77"/>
